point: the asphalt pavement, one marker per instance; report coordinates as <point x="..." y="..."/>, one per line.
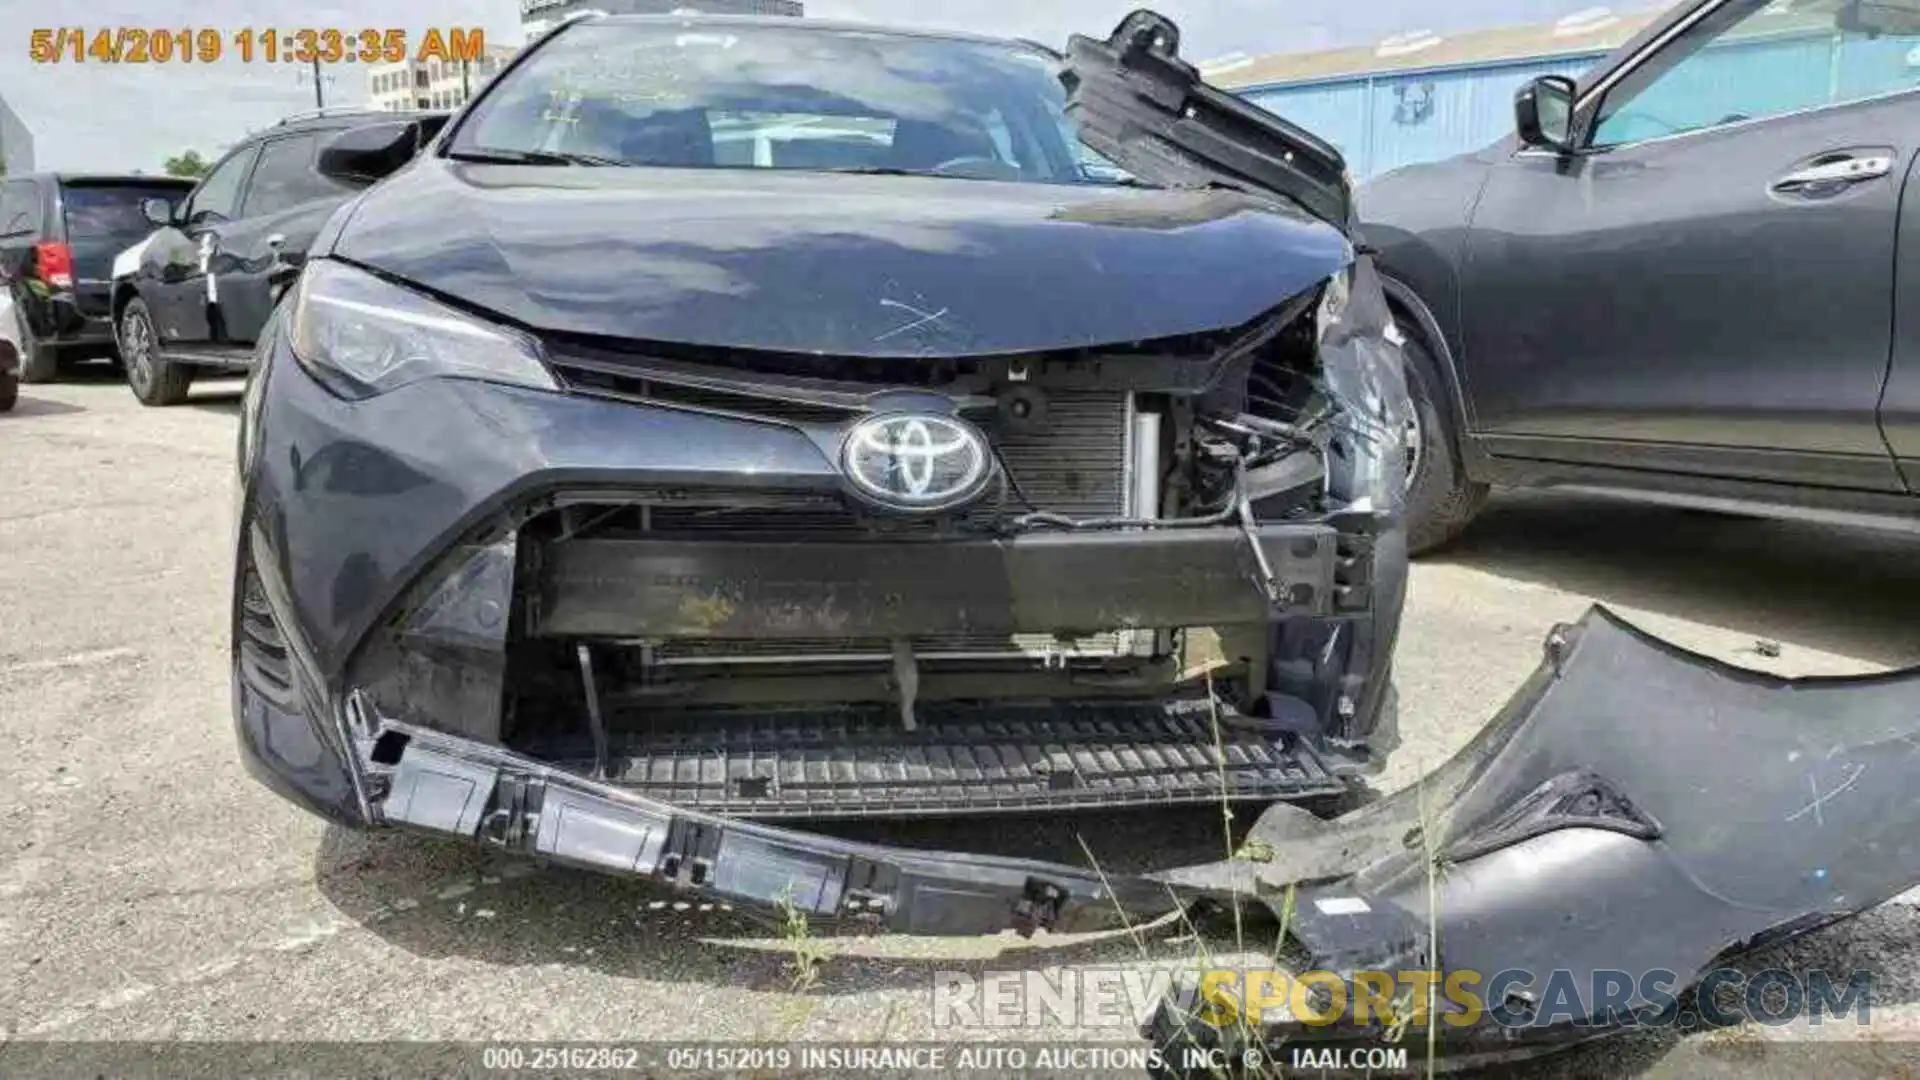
<point x="149" y="889"/>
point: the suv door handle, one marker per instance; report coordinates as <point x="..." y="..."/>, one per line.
<point x="1827" y="177"/>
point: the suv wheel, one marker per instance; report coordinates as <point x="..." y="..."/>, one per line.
<point x="155" y="380"/>
<point x="1441" y="500"/>
<point x="39" y="361"/>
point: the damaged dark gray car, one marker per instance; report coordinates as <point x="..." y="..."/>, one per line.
<point x="665" y="448"/>
<point x="853" y="442"/>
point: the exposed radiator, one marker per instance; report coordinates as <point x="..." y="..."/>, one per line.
<point x="1076" y="463"/>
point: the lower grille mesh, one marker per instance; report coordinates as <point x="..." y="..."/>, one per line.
<point x="859" y="761"/>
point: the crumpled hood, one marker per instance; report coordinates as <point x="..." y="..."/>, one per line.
<point x="835" y="263"/>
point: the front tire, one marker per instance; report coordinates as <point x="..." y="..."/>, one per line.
<point x="153" y="378"/>
<point x="9" y="391"/>
<point x="1441" y="500"/>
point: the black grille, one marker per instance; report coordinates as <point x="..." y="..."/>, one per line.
<point x="263" y="648"/>
<point x="609" y="381"/>
<point x="1075" y="465"/>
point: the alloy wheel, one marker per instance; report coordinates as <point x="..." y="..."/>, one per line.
<point x="136" y="347"/>
<point x="1413" y="440"/>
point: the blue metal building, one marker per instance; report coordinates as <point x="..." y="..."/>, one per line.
<point x="1419" y="96"/>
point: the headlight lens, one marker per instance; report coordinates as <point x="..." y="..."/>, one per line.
<point x="363" y="336"/>
<point x="1364" y="372"/>
<point x="1333" y="301"/>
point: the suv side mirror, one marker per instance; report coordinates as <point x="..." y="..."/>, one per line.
<point x="1543" y="112"/>
<point x="158" y="211"/>
<point x="371" y="152"/>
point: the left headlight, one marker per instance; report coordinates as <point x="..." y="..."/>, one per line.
<point x="1333" y="303"/>
<point x="364" y="336"/>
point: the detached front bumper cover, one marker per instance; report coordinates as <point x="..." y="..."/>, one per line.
<point x="1633" y="807"/>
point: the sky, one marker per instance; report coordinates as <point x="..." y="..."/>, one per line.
<point x="95" y="116"/>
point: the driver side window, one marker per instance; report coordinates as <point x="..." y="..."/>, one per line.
<point x="218" y="196"/>
<point x="1751" y="59"/>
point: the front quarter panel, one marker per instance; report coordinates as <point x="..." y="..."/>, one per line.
<point x="1417" y="221"/>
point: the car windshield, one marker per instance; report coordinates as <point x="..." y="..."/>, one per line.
<point x="713" y="95"/>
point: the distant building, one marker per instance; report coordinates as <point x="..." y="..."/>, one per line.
<point x="432" y="84"/>
<point x="536" y="16"/>
<point x="1422" y="96"/>
<point x="16" y="142"/>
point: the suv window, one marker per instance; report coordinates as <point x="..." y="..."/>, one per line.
<point x="219" y="194"/>
<point x="96" y="211"/>
<point x="19" y="208"/>
<point x="285" y="176"/>
<point x="1752" y="59"/>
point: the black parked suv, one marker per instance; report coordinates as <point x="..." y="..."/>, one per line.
<point x="1688" y="279"/>
<point x="58" y="236"/>
<point x="198" y="291"/>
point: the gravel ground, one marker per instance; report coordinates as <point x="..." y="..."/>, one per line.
<point x="150" y="890"/>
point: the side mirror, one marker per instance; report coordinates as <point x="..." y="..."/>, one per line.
<point x="158" y="211"/>
<point x="372" y="152"/>
<point x="1543" y="112"/>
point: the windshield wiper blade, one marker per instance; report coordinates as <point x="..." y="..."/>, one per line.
<point x="532" y="157"/>
<point x="875" y="170"/>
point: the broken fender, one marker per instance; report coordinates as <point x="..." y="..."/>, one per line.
<point x="1634" y="808"/>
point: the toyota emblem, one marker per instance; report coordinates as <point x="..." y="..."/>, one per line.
<point x="917" y="461"/>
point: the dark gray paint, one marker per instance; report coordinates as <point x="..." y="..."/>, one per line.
<point x="1737" y="809"/>
<point x="1656" y="306"/>
<point x="859" y="266"/>
<point x="1660" y="292"/>
<point x="1900" y="407"/>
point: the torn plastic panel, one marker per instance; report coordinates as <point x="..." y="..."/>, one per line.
<point x="1141" y="106"/>
<point x="1364" y="372"/>
<point x="439" y="784"/>
<point x="1635" y="807"/>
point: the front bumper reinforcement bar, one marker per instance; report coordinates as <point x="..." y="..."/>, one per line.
<point x="1034" y="583"/>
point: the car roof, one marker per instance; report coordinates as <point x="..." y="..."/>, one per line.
<point x="104" y="178"/>
<point x="336" y="118"/>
